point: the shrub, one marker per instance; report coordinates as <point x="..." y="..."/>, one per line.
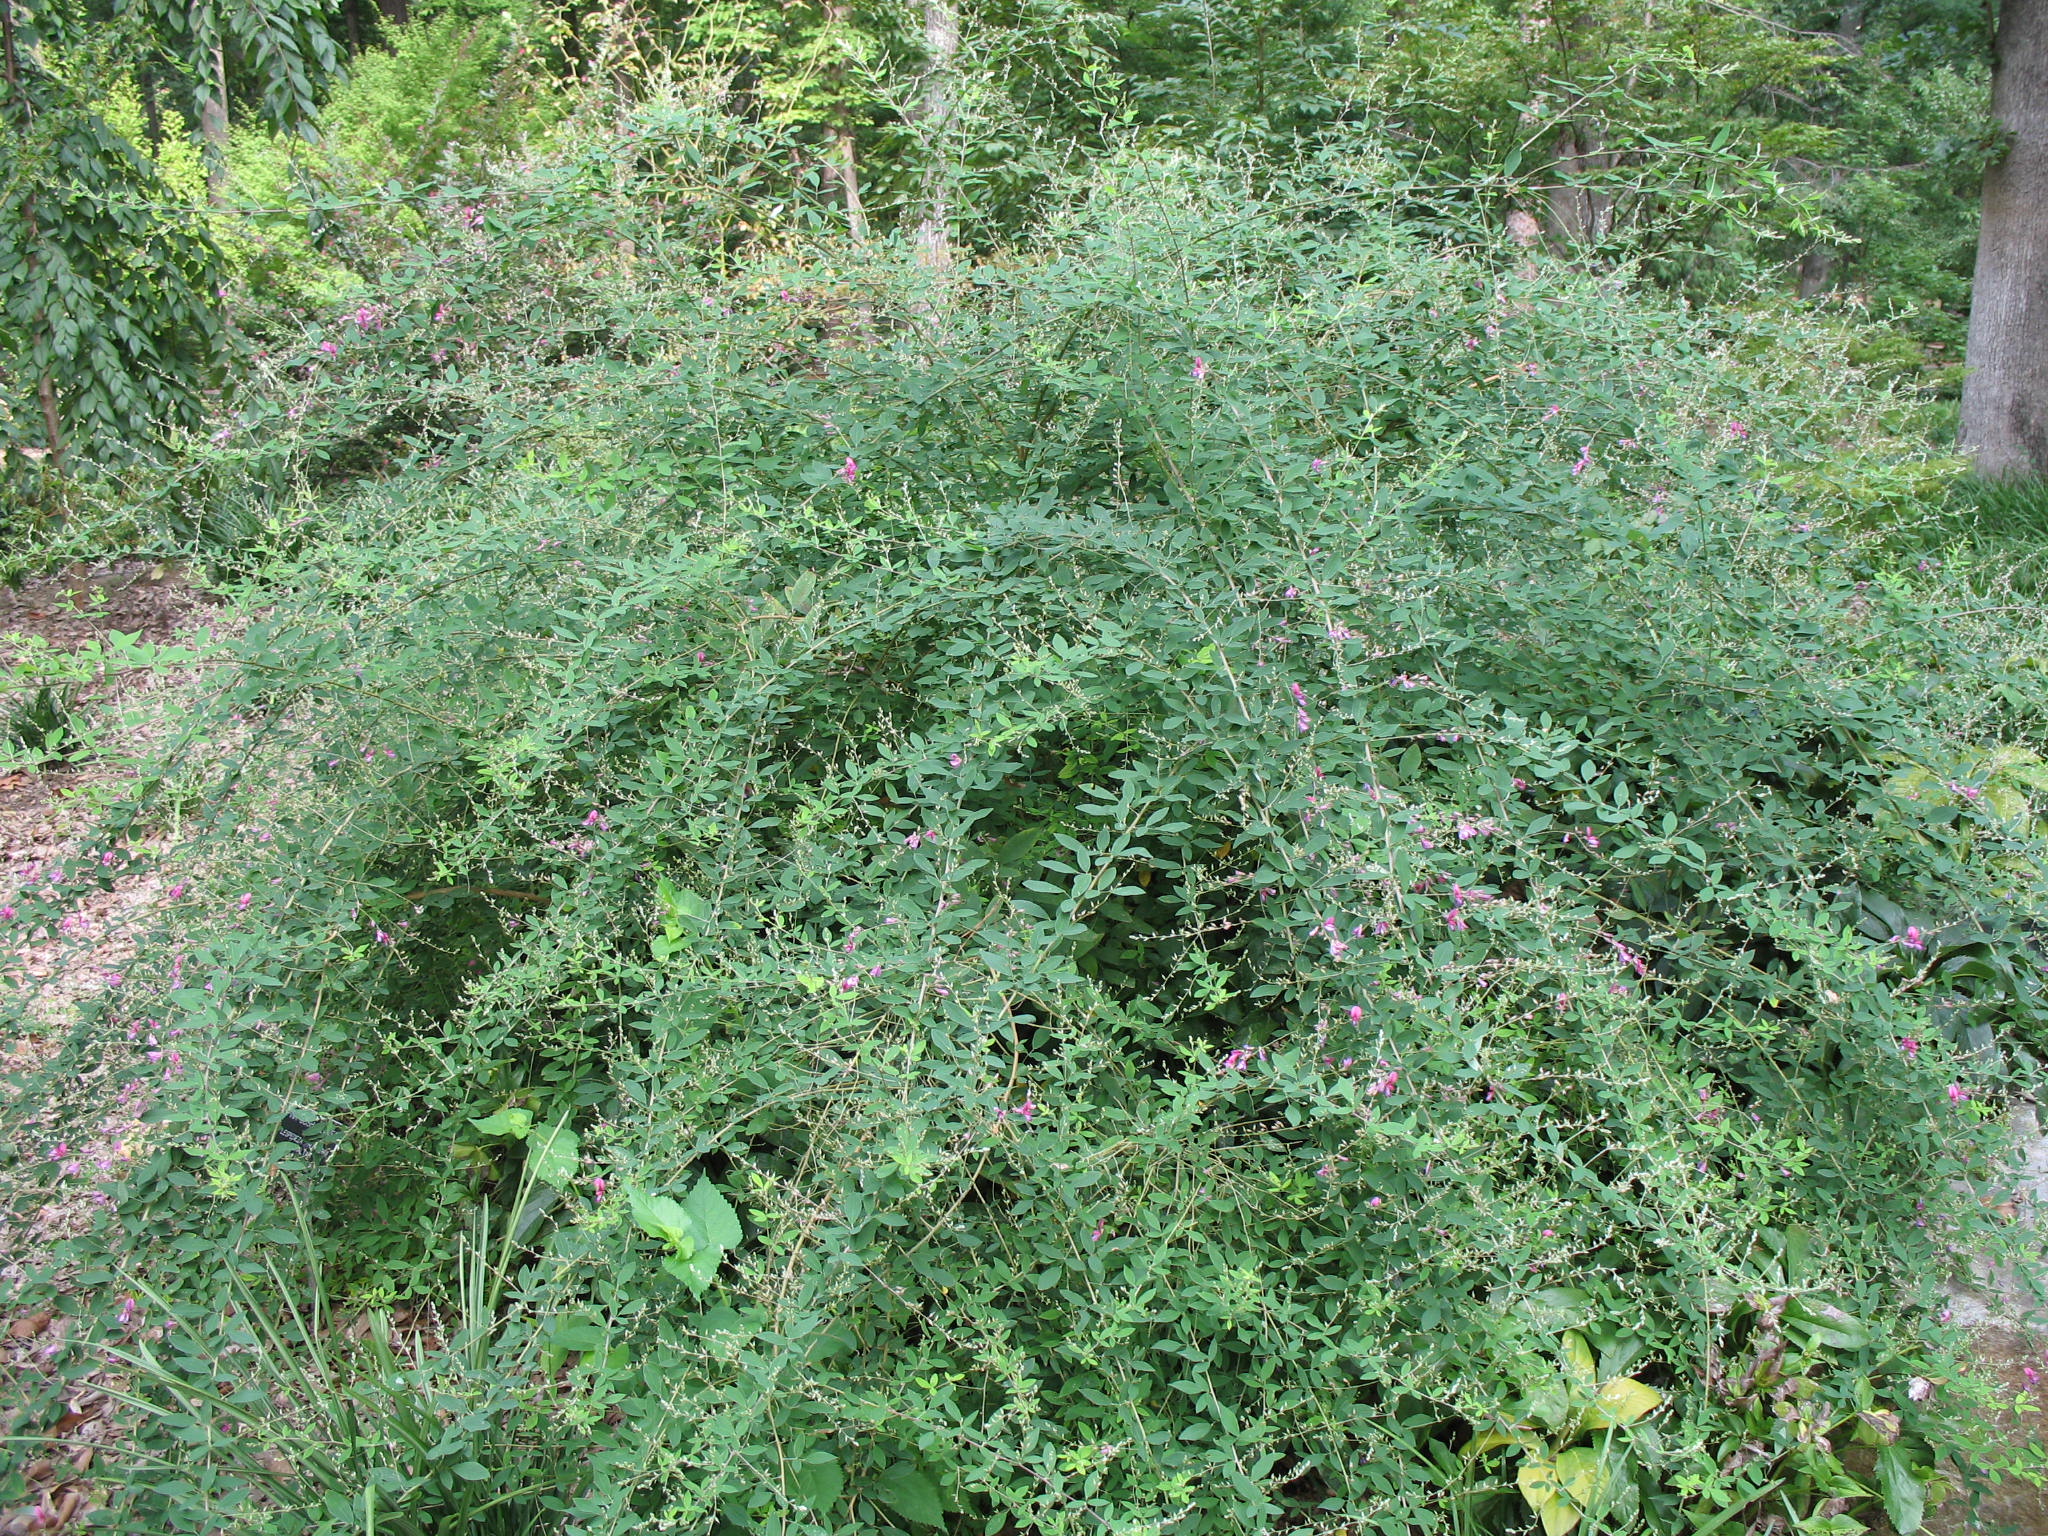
<point x="1256" y="875"/>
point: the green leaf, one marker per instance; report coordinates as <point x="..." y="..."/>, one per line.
<point x="660" y="1217"/>
<point x="470" y="1471"/>
<point x="1621" y="1401"/>
<point x="506" y="1122"/>
<point x="1827" y="1324"/>
<point x="911" y="1494"/>
<point x="553" y="1156"/>
<point x="717" y="1223"/>
<point x="1905" y="1499"/>
<point x="818" y="1483"/>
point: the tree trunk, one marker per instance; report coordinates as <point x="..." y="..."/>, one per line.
<point x="1816" y="271"/>
<point x="213" y="129"/>
<point x="2005" y="391"/>
<point x="1578" y="214"/>
<point x="846" y="169"/>
<point x="942" y="43"/>
<point x="845" y="157"/>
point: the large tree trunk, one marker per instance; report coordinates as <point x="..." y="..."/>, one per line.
<point x="2005" y="392"/>
<point x="1579" y="216"/>
<point x="942" y="43"/>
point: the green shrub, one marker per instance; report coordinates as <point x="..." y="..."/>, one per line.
<point x="1268" y="865"/>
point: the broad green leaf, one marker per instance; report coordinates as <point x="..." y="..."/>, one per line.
<point x="1621" y="1401"/>
<point x="911" y="1494"/>
<point x="506" y="1122"/>
<point x="1577" y="1358"/>
<point x="1905" y="1500"/>
<point x="1827" y="1324"/>
<point x="717" y="1223"/>
<point x="576" y="1335"/>
<point x="817" y="1483"/>
<point x="659" y="1216"/>
<point x="1527" y="1439"/>
<point x="554" y="1155"/>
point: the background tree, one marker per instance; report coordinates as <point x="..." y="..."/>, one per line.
<point x="2005" y="395"/>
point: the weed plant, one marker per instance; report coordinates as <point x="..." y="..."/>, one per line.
<point x="1246" y="871"/>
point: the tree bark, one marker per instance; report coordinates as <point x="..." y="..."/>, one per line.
<point x="1816" y="271"/>
<point x="2005" y="391"/>
<point x="213" y="129"/>
<point x="845" y="154"/>
<point x="1579" y="215"/>
<point x="846" y="168"/>
<point x="942" y="44"/>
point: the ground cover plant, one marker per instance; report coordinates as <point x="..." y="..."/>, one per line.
<point x="1260" y="868"/>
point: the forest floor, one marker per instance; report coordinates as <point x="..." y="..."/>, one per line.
<point x="92" y="1129"/>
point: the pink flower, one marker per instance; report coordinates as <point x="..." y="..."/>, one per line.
<point x="126" y="1318"/>
<point x="597" y="1187"/>
<point x="1585" y="460"/>
<point x="1096" y="1235"/>
<point x="441" y="313"/>
<point x="1739" y="431"/>
<point x="1912" y="938"/>
<point x="849" y="983"/>
<point x="242" y="905"/>
<point x="6" y="914"/>
<point x="850" y="470"/>
<point x="596" y="819"/>
<point x="1455" y="920"/>
<point x="383" y="937"/>
<point x="1911" y="1047"/>
<point x="331" y="348"/>
<point x="1355" y="1013"/>
<point x="1025" y="1110"/>
<point x="1317" y="466"/>
<point x="954" y="760"/>
<point x="1200" y="371"/>
<point x="1957" y="1093"/>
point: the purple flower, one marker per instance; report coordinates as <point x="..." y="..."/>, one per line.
<point x="1739" y="431"/>
<point x="1912" y="938"/>
<point x="1201" y="370"/>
